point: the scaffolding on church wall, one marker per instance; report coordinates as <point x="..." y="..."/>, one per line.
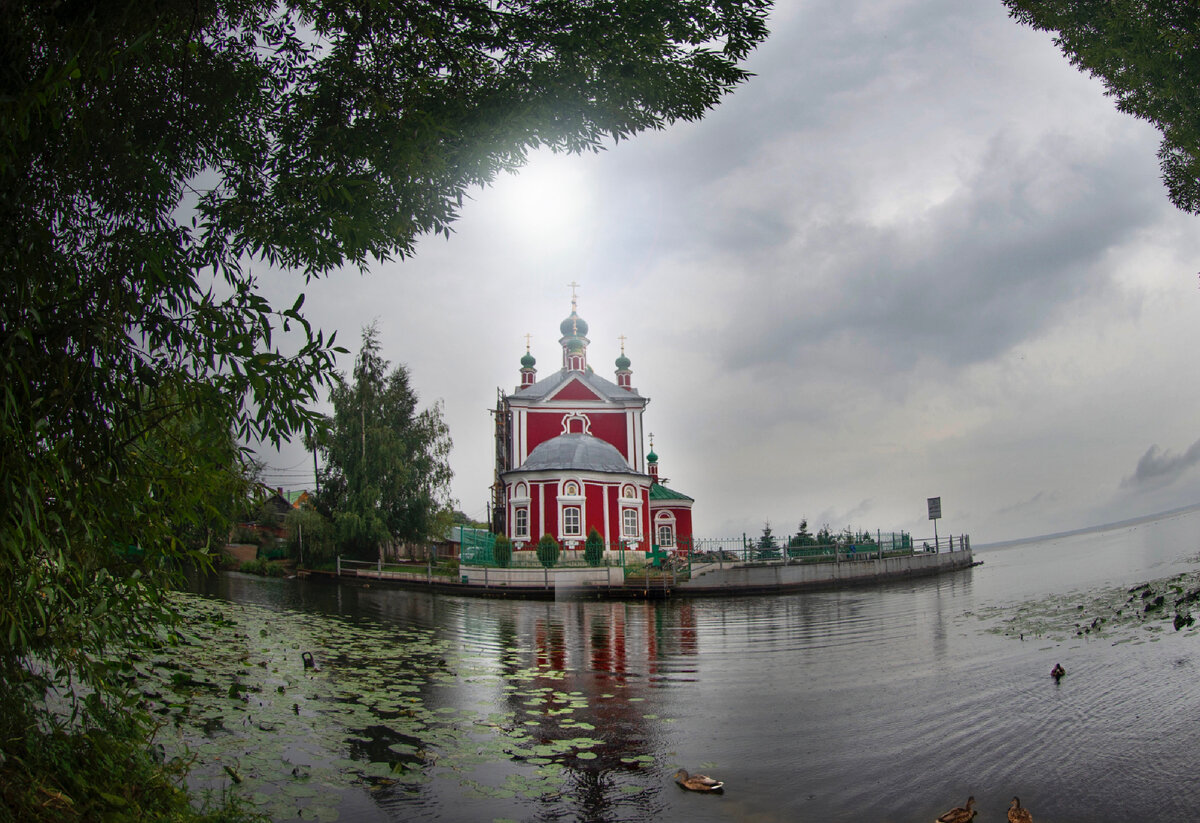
<point x="503" y="422"/>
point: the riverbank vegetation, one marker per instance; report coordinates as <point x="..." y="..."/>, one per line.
<point x="385" y="473"/>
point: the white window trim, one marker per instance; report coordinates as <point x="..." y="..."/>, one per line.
<point x="637" y="523"/>
<point x="662" y="544"/>
<point x="584" y="421"/>
<point x="574" y="505"/>
<point x="666" y="519"/>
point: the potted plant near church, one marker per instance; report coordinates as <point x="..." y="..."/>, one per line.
<point x="593" y="549"/>
<point x="547" y="551"/>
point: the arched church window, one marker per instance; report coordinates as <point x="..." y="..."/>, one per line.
<point x="664" y="529"/>
<point x="521" y="523"/>
<point x="629" y="523"/>
<point x="666" y="535"/>
<point x="572" y="522"/>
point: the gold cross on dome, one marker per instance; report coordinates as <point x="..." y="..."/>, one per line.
<point x="573" y="286"/>
<point x="621" y="337"/>
<point x="527" y="341"/>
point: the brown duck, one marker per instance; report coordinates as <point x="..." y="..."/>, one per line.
<point x="698" y="782"/>
<point x="1018" y="815"/>
<point x="961" y="814"/>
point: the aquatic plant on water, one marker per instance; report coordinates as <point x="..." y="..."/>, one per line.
<point x="380" y="711"/>
<point x="1102" y="613"/>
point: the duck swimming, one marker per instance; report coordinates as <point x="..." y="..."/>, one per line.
<point x="698" y="782"/>
<point x="1018" y="815"/>
<point x="960" y="814"/>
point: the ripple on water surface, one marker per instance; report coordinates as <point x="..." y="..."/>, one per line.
<point x="888" y="703"/>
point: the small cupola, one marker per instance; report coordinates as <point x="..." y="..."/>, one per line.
<point x="528" y="372"/>
<point x="574" y="338"/>
<point x="624" y="375"/>
<point x="652" y="463"/>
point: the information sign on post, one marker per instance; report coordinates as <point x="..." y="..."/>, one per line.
<point x="935" y="512"/>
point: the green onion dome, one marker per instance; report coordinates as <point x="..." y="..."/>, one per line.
<point x="622" y="362"/>
<point x="574" y="326"/>
<point x="528" y="361"/>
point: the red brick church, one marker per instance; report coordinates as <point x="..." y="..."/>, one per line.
<point x="570" y="457"/>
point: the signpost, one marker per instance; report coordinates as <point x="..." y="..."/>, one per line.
<point x="935" y="512"/>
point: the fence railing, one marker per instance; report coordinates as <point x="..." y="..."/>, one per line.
<point x="862" y="546"/>
<point x="676" y="561"/>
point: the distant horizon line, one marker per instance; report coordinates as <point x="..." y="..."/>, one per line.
<point x="1118" y="524"/>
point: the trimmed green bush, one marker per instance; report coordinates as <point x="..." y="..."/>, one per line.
<point x="547" y="551"/>
<point x="593" y="549"/>
<point x="261" y="567"/>
<point x="502" y="551"/>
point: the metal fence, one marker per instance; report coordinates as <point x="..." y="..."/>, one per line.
<point x="478" y="551"/>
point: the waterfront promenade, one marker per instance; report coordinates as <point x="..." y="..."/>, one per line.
<point x="706" y="574"/>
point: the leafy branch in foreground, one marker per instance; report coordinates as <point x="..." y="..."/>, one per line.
<point x="153" y="153"/>
<point x="1147" y="52"/>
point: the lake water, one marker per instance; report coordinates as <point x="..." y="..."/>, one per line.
<point x="887" y="703"/>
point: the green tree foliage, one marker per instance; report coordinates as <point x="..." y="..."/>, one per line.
<point x="152" y="152"/>
<point x="802" y="537"/>
<point x="547" y="551"/>
<point x="310" y="537"/>
<point x="385" y="474"/>
<point x="767" y="545"/>
<point x="1147" y="52"/>
<point x="502" y="551"/>
<point x="593" y="548"/>
<point x="460" y="518"/>
<point x="766" y="540"/>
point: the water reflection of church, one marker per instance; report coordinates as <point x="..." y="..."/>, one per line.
<point x="570" y="457"/>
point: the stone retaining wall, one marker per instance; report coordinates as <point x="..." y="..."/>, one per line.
<point x="780" y="576"/>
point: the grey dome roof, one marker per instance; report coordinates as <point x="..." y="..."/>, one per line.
<point x="579" y="452"/>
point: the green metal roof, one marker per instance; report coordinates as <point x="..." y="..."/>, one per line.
<point x="660" y="492"/>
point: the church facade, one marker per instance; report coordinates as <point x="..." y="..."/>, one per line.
<point x="570" y="458"/>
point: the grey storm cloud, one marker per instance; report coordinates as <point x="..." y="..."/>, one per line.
<point x="978" y="275"/>
<point x="1158" y="467"/>
<point x="917" y="253"/>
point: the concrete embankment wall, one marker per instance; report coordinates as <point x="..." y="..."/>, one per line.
<point x="581" y="578"/>
<point x="498" y="581"/>
<point x="741" y="579"/>
<point x="707" y="579"/>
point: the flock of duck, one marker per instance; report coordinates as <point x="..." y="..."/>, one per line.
<point x="959" y="814"/>
<point x="965" y="814"/>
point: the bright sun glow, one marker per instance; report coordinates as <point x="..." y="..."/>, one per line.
<point x="545" y="202"/>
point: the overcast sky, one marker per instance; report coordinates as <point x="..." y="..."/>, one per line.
<point x="917" y="255"/>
